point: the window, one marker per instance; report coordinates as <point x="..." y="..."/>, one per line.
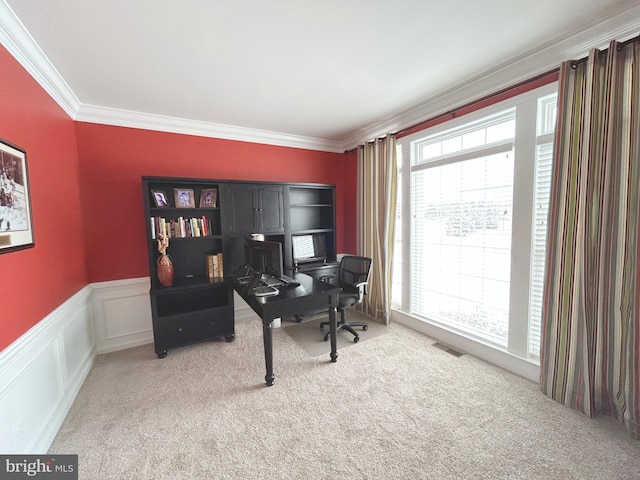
<point x="472" y="228"/>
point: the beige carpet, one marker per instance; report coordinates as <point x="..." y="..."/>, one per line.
<point x="310" y="336"/>
<point x="392" y="407"/>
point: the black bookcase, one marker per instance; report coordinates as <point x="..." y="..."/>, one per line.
<point x="312" y="211"/>
<point x="195" y="307"/>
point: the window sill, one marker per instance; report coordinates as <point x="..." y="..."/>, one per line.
<point x="490" y="353"/>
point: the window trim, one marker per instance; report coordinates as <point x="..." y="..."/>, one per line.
<point x="524" y="168"/>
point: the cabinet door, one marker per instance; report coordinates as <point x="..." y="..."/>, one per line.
<point x="270" y="206"/>
<point x="256" y="209"/>
<point x="242" y="218"/>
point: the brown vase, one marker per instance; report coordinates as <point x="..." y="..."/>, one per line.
<point x="165" y="270"/>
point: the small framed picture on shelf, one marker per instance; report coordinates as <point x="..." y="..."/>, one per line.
<point x="160" y="198"/>
<point x="184" y="198"/>
<point x="208" y="198"/>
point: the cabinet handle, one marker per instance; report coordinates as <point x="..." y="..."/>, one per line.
<point x="180" y="329"/>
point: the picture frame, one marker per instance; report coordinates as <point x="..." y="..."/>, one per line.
<point x="209" y="198"/>
<point x="16" y="223"/>
<point x="184" y="198"/>
<point x="160" y="199"/>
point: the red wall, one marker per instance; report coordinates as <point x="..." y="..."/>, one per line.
<point x="113" y="160"/>
<point x="86" y="196"/>
<point x="37" y="280"/>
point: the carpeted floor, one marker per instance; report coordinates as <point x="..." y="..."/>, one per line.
<point x="310" y="336"/>
<point x="393" y="407"/>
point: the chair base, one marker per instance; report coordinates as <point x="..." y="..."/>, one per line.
<point x="349" y="327"/>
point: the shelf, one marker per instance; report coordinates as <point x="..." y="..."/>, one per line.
<point x="197" y="281"/>
<point x="180" y="239"/>
<point x="173" y="209"/>
<point x="302" y="205"/>
<point x="308" y="231"/>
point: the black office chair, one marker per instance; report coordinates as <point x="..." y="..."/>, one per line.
<point x="353" y="277"/>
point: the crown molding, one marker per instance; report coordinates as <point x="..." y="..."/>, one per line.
<point x="519" y="69"/>
<point x="22" y="46"/>
<point x="162" y="123"/>
<point x="19" y="43"/>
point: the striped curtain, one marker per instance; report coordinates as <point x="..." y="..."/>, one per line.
<point x="377" y="183"/>
<point x="591" y="314"/>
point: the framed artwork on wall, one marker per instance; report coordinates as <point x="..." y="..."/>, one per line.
<point x="16" y="227"/>
<point x="184" y="198"/>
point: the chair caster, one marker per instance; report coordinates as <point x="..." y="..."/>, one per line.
<point x="365" y="328"/>
<point x="356" y="339"/>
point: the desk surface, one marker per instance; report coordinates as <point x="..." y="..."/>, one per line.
<point x="310" y="295"/>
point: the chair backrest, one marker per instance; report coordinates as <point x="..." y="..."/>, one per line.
<point x="354" y="270"/>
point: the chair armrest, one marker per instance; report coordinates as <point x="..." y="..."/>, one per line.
<point x="362" y="290"/>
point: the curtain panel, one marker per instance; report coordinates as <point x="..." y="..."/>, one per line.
<point x="591" y="328"/>
<point x="377" y="184"/>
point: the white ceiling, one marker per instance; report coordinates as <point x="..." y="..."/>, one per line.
<point x="316" y="74"/>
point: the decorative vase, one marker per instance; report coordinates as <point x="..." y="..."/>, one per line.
<point x="165" y="270"/>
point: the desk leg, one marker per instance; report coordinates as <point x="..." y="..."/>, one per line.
<point x="334" y="334"/>
<point x="267" y="336"/>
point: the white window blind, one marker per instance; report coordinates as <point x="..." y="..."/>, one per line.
<point x="544" y="157"/>
<point x="547" y="108"/>
<point x="462" y="201"/>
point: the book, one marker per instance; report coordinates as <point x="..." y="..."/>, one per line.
<point x="210" y="265"/>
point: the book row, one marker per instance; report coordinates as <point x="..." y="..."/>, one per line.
<point x="181" y="227"/>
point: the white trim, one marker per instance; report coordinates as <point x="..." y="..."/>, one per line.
<point x="501" y="358"/>
<point x="19" y="43"/>
<point x="122" y="314"/>
<point x="160" y="123"/>
<point x="516" y="70"/>
<point x="41" y="374"/>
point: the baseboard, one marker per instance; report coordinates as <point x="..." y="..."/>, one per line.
<point x="487" y="353"/>
<point x="41" y="374"/>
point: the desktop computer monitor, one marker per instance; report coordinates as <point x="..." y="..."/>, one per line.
<point x="264" y="256"/>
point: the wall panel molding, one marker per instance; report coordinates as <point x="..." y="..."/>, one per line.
<point x="41" y="374"/>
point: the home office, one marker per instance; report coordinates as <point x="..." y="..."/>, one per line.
<point x="83" y="290"/>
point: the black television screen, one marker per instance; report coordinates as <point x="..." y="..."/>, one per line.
<point x="264" y="256"/>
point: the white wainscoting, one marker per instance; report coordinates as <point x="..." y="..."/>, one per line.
<point x="41" y="374"/>
<point x="122" y="314"/>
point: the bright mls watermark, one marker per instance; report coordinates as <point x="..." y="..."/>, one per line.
<point x="51" y="467"/>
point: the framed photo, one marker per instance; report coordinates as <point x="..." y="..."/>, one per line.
<point x="16" y="228"/>
<point x="209" y="198"/>
<point x="184" y="198"/>
<point x="160" y="198"/>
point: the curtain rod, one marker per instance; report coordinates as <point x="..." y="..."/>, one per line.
<point x="455" y="111"/>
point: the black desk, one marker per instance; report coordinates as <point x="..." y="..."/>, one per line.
<point x="310" y="295"/>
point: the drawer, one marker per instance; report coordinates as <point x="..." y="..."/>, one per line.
<point x="194" y="327"/>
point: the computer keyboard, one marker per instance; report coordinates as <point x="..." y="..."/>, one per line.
<point x="278" y="281"/>
<point x="264" y="291"/>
